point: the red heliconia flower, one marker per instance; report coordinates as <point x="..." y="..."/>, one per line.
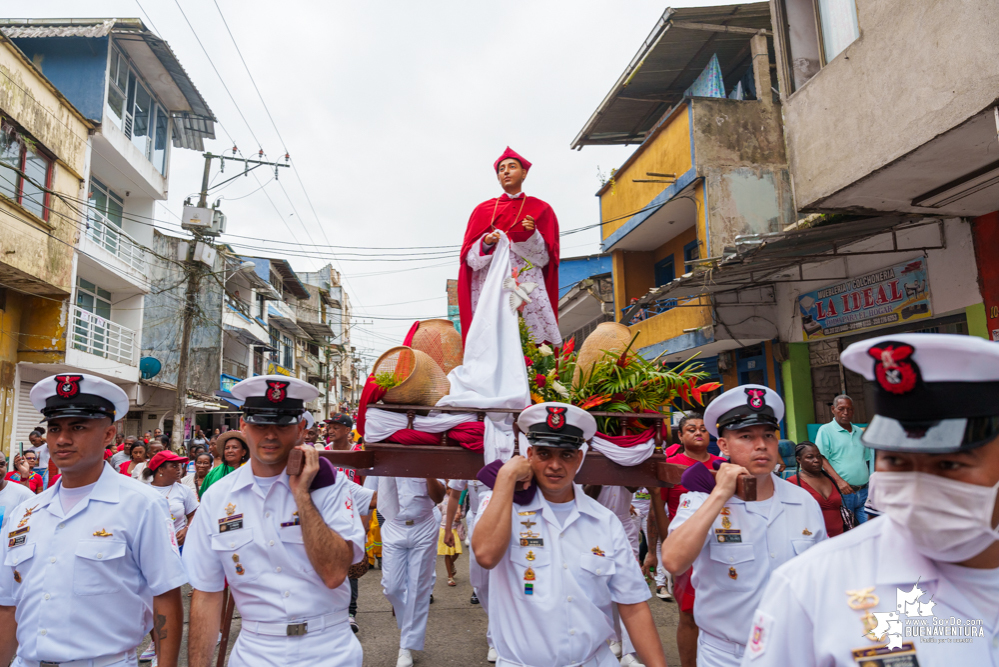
<point x="594" y="401"/>
<point x="704" y="388"/>
<point x="528" y="360"/>
<point x="568" y="347"/>
<point x="540" y="380"/>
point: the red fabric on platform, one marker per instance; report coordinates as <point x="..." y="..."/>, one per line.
<point x="409" y="436"/>
<point x="631" y="440"/>
<point x="468" y="435"/>
<point x="372" y="393"/>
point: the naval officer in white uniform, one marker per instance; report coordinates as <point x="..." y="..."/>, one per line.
<point x="554" y="583"/>
<point x="919" y="585"/>
<point x="734" y="545"/>
<point x="409" y="554"/>
<point x="283" y="550"/>
<point x="90" y="565"/>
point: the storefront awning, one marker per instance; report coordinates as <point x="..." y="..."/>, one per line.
<point x="760" y="260"/>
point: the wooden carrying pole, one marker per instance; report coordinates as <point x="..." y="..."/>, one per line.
<point x="394" y="460"/>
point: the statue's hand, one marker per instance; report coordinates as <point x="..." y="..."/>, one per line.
<point x="528" y="223"/>
<point x="491" y="239"/>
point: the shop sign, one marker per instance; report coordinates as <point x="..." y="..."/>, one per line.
<point x="891" y="296"/>
<point x="274" y="369"/>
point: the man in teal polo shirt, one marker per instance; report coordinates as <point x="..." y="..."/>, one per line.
<point x="847" y="459"/>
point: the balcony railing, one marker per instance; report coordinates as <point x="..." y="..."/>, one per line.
<point x="103" y="338"/>
<point x="647" y="311"/>
<point x="235" y="369"/>
<point x="106" y="234"/>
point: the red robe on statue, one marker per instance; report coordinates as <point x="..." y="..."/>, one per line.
<point x="506" y="215"/>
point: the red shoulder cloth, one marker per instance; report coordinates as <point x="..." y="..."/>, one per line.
<point x="506" y="215"/>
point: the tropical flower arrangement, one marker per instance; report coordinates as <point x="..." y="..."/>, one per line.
<point x="618" y="382"/>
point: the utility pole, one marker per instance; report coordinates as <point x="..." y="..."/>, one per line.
<point x="195" y="272"/>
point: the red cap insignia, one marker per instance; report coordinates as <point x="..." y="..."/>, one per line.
<point x="893" y="369"/>
<point x="68" y="386"/>
<point x="755" y="400"/>
<point x="277" y="391"/>
<point x="556" y="418"/>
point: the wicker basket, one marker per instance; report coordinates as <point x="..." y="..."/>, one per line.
<point x="440" y="340"/>
<point x="607" y="337"/>
<point x="422" y="382"/>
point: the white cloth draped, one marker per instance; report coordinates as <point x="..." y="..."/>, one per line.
<point x="493" y="374"/>
<point x="626" y="456"/>
<point x="380" y="424"/>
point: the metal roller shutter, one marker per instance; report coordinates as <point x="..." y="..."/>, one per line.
<point x="27" y="418"/>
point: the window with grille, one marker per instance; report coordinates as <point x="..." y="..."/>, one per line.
<point x="25" y="172"/>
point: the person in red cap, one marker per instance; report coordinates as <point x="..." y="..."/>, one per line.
<point x="532" y="228"/>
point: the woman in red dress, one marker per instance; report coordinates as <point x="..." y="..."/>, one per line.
<point x="812" y="478"/>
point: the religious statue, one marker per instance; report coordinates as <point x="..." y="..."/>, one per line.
<point x="532" y="228"/>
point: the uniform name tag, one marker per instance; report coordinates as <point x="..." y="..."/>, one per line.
<point x="16" y="541"/>
<point x="733" y="535"/>
<point x="532" y="542"/>
<point x="229" y="523"/>
<point x="19" y="531"/>
<point x="882" y="656"/>
<point x="295" y="522"/>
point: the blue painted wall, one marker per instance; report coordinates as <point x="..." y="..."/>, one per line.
<point x="75" y="65"/>
<point x="574" y="269"/>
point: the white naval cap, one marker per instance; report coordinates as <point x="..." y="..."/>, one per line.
<point x="745" y="405"/>
<point x="557" y="425"/>
<point x="934" y="393"/>
<point x="79" y="395"/>
<point x="310" y="421"/>
<point x="273" y="399"/>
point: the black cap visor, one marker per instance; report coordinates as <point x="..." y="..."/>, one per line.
<point x="945" y="436"/>
<point x="78" y="412"/>
<point x="275" y="417"/>
<point x="735" y="422"/>
<point x="555" y="440"/>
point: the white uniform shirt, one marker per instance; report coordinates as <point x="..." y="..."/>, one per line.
<point x="182" y="501"/>
<point x="415" y="503"/>
<point x="804" y="617"/>
<point x="475" y="491"/>
<point x="362" y="498"/>
<point x="12" y="495"/>
<point x="88" y="577"/>
<point x="262" y="552"/>
<point x="579" y="570"/>
<point x="733" y="567"/>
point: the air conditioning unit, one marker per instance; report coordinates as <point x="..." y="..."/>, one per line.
<point x="197" y="219"/>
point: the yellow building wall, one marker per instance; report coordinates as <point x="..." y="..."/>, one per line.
<point x="666" y="152"/>
<point x="10" y="326"/>
<point x="691" y="314"/>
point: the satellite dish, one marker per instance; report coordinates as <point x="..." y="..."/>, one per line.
<point x="149" y="367"/>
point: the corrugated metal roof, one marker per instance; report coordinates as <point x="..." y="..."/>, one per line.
<point x="669" y="60"/>
<point x="91" y="30"/>
<point x="191" y="126"/>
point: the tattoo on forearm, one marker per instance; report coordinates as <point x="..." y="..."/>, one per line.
<point x="160" y="627"/>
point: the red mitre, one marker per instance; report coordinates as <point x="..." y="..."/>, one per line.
<point x="510" y="153"/>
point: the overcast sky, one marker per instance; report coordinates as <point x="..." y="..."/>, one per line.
<point x="393" y="113"/>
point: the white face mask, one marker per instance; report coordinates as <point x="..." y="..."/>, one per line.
<point x="947" y="520"/>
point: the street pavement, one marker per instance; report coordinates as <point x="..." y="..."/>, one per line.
<point x="456" y="629"/>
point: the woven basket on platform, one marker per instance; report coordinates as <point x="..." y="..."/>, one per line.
<point x="421" y="380"/>
<point x="607" y="337"/>
<point x="440" y="340"/>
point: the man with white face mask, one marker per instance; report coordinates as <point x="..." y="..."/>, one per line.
<point x="919" y="586"/>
